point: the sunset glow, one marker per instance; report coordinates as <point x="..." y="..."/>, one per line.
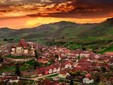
<point x="19" y="14"/>
<point x="33" y="22"/>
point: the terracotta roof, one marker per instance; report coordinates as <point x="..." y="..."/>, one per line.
<point x="23" y="43"/>
<point x="63" y="72"/>
<point x="45" y="69"/>
<point x="13" y="46"/>
<point x="43" y="61"/>
<point x="88" y="75"/>
<point x="109" y="53"/>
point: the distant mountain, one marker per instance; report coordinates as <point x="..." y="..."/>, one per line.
<point x="4" y="32"/>
<point x="102" y="30"/>
<point x="63" y="31"/>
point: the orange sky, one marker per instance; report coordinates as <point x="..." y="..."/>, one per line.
<point x="28" y="22"/>
<point x="17" y="14"/>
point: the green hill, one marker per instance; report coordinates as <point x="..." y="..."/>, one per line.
<point x="96" y="36"/>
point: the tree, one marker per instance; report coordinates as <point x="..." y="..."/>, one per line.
<point x="17" y="70"/>
<point x="97" y="78"/>
<point x="36" y="64"/>
<point x="111" y="68"/>
<point x="36" y="54"/>
<point x="56" y="56"/>
<point x="83" y="48"/>
<point x="78" y="57"/>
<point x="1" y="59"/>
<point x="71" y="82"/>
<point x="103" y="69"/>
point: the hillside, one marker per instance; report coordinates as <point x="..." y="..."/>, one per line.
<point x="103" y="30"/>
<point x="4" y="32"/>
<point x="63" y="31"/>
<point x="89" y="35"/>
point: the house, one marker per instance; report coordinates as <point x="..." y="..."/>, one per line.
<point x="5" y="50"/>
<point x="66" y="65"/>
<point x="63" y="74"/>
<point x="23" y="48"/>
<point x="97" y="56"/>
<point x="48" y="70"/>
<point x="12" y="79"/>
<point x="87" y="79"/>
<point x="43" y="61"/>
<point x="109" y="53"/>
<point x="53" y="69"/>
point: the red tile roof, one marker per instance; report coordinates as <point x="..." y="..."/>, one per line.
<point x="13" y="46"/>
<point x="23" y="43"/>
<point x="109" y="53"/>
<point x="88" y="75"/>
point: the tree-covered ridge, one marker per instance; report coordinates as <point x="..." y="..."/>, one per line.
<point x="96" y="36"/>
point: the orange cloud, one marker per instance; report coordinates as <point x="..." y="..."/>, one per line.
<point x="31" y="14"/>
<point x="36" y="8"/>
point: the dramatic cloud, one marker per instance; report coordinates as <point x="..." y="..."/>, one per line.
<point x="39" y="9"/>
<point x="59" y="9"/>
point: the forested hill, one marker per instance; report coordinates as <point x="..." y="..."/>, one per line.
<point x="64" y="32"/>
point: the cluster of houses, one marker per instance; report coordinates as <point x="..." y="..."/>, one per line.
<point x="63" y="59"/>
<point x="10" y="79"/>
<point x="66" y="61"/>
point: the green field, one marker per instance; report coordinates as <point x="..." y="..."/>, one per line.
<point x="110" y="49"/>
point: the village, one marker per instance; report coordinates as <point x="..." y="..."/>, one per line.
<point x="47" y="65"/>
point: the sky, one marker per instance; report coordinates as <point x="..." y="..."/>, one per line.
<point x="18" y="14"/>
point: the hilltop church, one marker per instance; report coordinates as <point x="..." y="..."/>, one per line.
<point x="23" y="48"/>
